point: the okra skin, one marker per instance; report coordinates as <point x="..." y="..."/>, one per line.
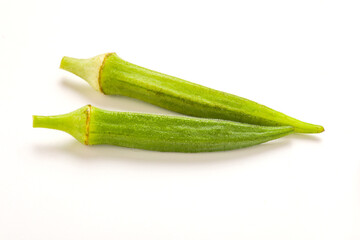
<point x="112" y="75"/>
<point x="93" y="126"/>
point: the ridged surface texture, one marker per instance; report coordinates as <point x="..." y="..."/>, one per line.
<point x="119" y="77"/>
<point x="176" y="134"/>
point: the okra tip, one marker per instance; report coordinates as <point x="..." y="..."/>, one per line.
<point x="309" y="128"/>
<point x="320" y="129"/>
<point x="88" y="69"/>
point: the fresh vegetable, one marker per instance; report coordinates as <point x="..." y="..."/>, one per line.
<point x="91" y="126"/>
<point x="112" y="75"/>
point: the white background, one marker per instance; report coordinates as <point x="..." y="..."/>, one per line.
<point x="298" y="57"/>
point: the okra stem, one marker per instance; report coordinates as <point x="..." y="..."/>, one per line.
<point x="75" y="123"/>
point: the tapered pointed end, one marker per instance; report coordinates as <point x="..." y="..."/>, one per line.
<point x="88" y="69"/>
<point x="320" y="129"/>
<point x="309" y="128"/>
<point x="283" y="131"/>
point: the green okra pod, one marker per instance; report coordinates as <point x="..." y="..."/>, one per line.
<point x="91" y="126"/>
<point x="112" y="75"/>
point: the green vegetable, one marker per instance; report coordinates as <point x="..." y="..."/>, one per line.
<point x="110" y="74"/>
<point x="91" y="125"/>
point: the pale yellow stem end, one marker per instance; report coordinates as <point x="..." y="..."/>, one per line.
<point x="88" y="69"/>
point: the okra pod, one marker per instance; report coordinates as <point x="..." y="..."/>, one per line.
<point x="112" y="75"/>
<point x="91" y="126"/>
